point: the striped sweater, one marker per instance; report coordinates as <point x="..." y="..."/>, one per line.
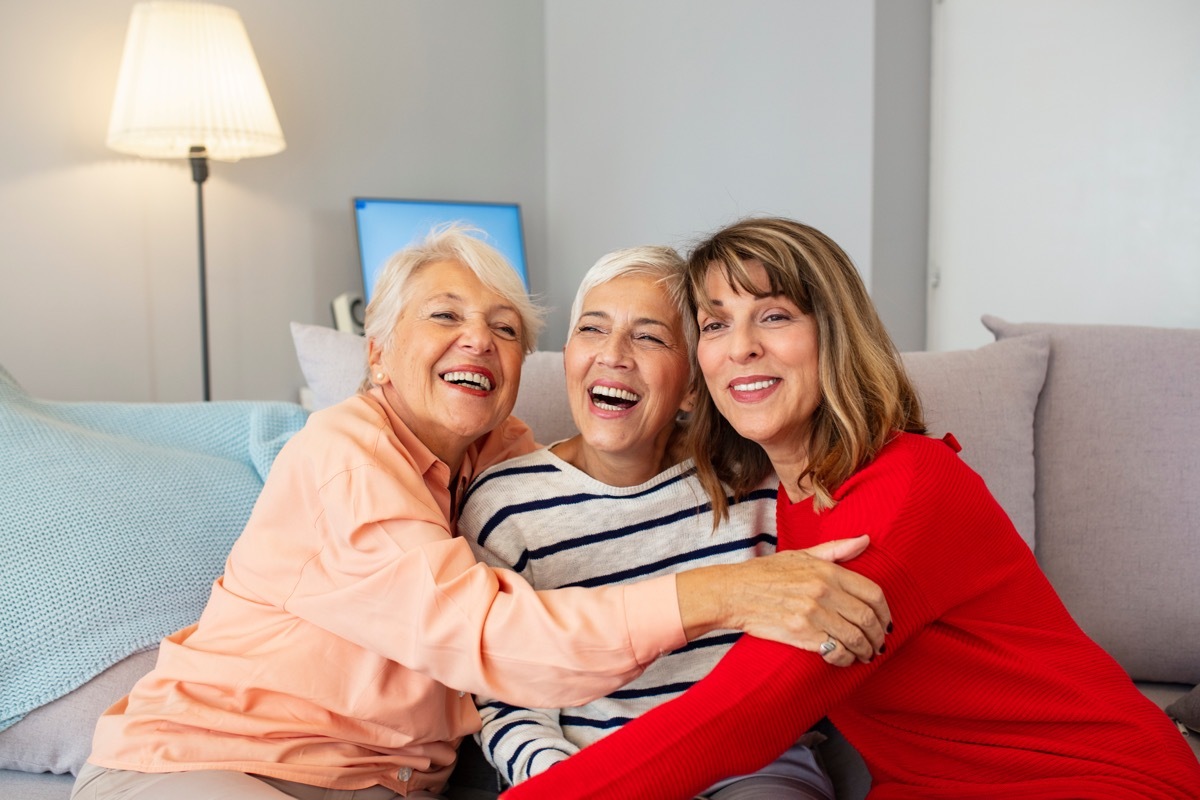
<point x="559" y="527"/>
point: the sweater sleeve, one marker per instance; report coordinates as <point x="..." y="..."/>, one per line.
<point x="762" y="696"/>
<point x="518" y="741"/>
<point x="521" y="742"/>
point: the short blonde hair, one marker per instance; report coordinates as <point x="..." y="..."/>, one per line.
<point x="659" y="263"/>
<point x="451" y="242"/>
<point x="866" y="396"/>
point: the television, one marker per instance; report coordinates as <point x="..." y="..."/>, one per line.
<point x="385" y="225"/>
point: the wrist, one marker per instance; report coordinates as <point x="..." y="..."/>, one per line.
<point x="704" y="605"/>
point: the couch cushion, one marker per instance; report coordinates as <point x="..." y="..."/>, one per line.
<point x="1117" y="436"/>
<point x="28" y="786"/>
<point x="114" y="520"/>
<point x="986" y="398"/>
<point x="57" y="737"/>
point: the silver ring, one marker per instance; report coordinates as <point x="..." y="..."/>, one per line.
<point x="828" y="646"/>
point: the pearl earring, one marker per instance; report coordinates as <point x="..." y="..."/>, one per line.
<point x="379" y="376"/>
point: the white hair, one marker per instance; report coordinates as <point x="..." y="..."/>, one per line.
<point x="659" y="263"/>
<point x="451" y="242"/>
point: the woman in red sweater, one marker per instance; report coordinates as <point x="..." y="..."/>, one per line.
<point x="986" y="687"/>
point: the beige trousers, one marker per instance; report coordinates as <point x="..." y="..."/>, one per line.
<point x="97" y="783"/>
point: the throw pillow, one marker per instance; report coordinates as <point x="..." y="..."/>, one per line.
<point x="1187" y="709"/>
<point x="1118" y="441"/>
<point x="57" y="737"/>
<point x="542" y="401"/>
<point x="334" y="363"/>
<point x="986" y="398"/>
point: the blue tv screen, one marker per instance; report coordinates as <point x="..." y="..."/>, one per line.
<point x="386" y="225"/>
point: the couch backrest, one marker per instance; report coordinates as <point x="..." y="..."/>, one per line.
<point x="1116" y="445"/>
<point x="1117" y="438"/>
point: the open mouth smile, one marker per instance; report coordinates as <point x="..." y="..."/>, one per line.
<point x="610" y="398"/>
<point x="470" y="380"/>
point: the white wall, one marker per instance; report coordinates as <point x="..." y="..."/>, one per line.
<point x="667" y="119"/>
<point x="1066" y="164"/>
<point x="98" y="273"/>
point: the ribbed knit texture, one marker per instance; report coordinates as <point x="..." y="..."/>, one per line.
<point x="559" y="527"/>
<point x="987" y="689"/>
<point x="116" y="518"/>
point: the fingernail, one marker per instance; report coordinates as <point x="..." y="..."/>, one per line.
<point x="889" y="627"/>
<point x="882" y="648"/>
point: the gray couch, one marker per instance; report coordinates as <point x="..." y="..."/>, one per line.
<point x="1089" y="436"/>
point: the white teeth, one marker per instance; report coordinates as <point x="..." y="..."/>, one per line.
<point x="619" y="394"/>
<point x="473" y="378"/>
<point x="754" y="387"/>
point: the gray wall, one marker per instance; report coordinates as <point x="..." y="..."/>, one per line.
<point x="98" y="272"/>
<point x="611" y="123"/>
<point x="668" y="119"/>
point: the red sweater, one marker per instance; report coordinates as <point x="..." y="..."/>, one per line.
<point x="987" y="688"/>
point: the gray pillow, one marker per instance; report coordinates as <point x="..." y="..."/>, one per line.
<point x="334" y="362"/>
<point x="986" y="398"/>
<point x="1117" y="434"/>
<point x="1187" y="709"/>
<point x="57" y="737"/>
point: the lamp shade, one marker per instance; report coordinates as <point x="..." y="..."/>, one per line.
<point x="189" y="78"/>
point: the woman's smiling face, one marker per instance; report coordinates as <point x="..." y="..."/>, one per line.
<point x="627" y="368"/>
<point x="453" y="366"/>
<point x="759" y="357"/>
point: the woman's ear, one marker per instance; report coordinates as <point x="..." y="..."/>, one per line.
<point x="375" y="369"/>
<point x="688" y="404"/>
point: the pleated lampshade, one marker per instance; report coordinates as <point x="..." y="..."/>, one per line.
<point x="189" y="78"/>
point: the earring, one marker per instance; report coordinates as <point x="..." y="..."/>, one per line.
<point x="379" y="376"/>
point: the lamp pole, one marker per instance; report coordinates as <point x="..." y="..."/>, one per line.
<point x="198" y="157"/>
<point x="203" y="47"/>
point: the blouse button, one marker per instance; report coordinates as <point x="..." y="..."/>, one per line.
<point x="404" y="774"/>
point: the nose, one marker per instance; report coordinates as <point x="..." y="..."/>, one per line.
<point x="477" y="335"/>
<point x="744" y="344"/>
<point x="615" y="352"/>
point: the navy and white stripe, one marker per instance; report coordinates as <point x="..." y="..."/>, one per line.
<point x="558" y="526"/>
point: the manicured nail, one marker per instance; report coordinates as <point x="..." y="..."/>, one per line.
<point x="889" y="627"/>
<point x="882" y="648"/>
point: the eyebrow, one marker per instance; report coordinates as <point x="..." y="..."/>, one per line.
<point x="639" y="321"/>
<point x="444" y="296"/>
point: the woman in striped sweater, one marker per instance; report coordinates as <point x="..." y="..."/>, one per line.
<point x="619" y="503"/>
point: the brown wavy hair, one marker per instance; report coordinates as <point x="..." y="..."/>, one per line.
<point x="866" y="396"/>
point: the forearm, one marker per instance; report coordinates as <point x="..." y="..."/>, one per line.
<point x="522" y="742"/>
<point x="488" y="632"/>
<point x="565" y="647"/>
<point x="751" y="708"/>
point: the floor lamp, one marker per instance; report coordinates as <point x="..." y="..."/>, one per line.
<point x="190" y="87"/>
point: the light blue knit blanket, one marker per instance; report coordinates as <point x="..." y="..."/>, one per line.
<point x="115" y="519"/>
